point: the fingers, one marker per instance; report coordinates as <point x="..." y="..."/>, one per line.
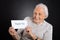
<point x="28" y="29"/>
<point x="12" y="31"/>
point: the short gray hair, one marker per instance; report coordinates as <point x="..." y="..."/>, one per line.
<point x="44" y="7"/>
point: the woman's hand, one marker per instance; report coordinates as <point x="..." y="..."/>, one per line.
<point x="13" y="33"/>
<point x="28" y="30"/>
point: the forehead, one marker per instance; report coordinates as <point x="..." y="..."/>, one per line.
<point x="39" y="9"/>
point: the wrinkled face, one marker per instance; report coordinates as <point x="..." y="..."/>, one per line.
<point x="38" y="15"/>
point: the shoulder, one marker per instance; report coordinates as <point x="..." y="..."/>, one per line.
<point x="49" y="26"/>
<point x="28" y="18"/>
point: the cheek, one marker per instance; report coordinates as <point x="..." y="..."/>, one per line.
<point x="41" y="17"/>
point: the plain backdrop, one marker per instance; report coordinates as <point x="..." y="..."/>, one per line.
<point x="19" y="9"/>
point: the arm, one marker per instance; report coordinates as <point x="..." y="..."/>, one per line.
<point x="29" y="32"/>
<point x="14" y="34"/>
<point x="48" y="34"/>
<point x="16" y="37"/>
<point x="34" y="37"/>
<point x="20" y="32"/>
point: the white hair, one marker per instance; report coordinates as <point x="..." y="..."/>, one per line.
<point x="44" y="7"/>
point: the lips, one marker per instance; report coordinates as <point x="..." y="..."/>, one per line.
<point x="36" y="19"/>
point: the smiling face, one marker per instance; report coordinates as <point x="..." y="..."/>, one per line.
<point x="38" y="15"/>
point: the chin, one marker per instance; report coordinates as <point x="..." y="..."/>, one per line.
<point x="36" y="21"/>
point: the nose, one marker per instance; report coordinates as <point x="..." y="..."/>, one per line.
<point x="37" y="16"/>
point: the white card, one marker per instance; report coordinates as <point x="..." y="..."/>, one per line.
<point x="19" y="24"/>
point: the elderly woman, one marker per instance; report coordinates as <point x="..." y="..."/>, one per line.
<point x="37" y="29"/>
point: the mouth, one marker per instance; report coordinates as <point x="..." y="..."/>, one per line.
<point x="36" y="19"/>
